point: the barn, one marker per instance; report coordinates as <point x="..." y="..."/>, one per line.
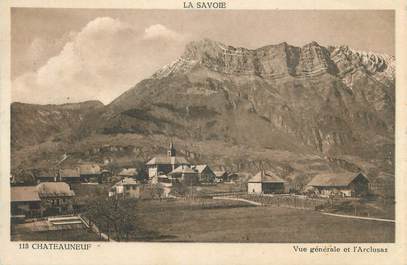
<point x="25" y="202"/>
<point x="342" y="184"/>
<point x="205" y="173"/>
<point x="185" y="174"/>
<point x="89" y="171"/>
<point x="70" y="175"/>
<point x="266" y="182"/>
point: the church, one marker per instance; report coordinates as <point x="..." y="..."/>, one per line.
<point x="162" y="165"/>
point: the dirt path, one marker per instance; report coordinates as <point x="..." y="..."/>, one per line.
<point x="237" y="199"/>
<point x="360" y="217"/>
<point x="331" y="214"/>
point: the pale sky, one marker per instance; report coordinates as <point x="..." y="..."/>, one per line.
<point x="73" y="55"/>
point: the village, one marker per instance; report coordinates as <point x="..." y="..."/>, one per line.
<point x="88" y="202"/>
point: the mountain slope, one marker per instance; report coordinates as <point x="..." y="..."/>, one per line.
<point x="331" y="104"/>
<point x="331" y="100"/>
<point x="32" y="124"/>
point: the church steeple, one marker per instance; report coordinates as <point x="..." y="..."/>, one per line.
<point x="171" y="151"/>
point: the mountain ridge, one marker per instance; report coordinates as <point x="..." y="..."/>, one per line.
<point x="206" y="49"/>
<point x="325" y="101"/>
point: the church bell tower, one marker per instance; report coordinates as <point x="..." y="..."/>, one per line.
<point x="171" y="151"/>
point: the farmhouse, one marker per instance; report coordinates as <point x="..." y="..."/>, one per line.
<point x="127" y="187"/>
<point x="205" y="173"/>
<point x="220" y="175"/>
<point x="56" y="197"/>
<point x="230" y="177"/>
<point x="25" y="202"/>
<point x="70" y="175"/>
<point x="343" y="184"/>
<point x="165" y="164"/>
<point x="88" y="171"/>
<point x="49" y="198"/>
<point x="184" y="174"/>
<point x="47" y="175"/>
<point x="266" y="182"/>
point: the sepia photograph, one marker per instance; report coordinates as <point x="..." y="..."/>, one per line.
<point x="227" y="126"/>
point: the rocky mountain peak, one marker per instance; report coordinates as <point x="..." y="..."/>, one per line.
<point x="346" y="58"/>
<point x="278" y="60"/>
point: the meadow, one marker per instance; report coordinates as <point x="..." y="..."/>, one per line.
<point x="183" y="221"/>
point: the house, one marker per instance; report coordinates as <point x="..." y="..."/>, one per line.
<point x="127" y="187"/>
<point x="88" y="171"/>
<point x="56" y="197"/>
<point x="343" y="184"/>
<point x="220" y="175"/>
<point x="184" y="174"/>
<point x="70" y="175"/>
<point x="230" y="177"/>
<point x="47" y="178"/>
<point x="165" y="164"/>
<point x="128" y="173"/>
<point x="47" y="175"/>
<point x="25" y="202"/>
<point x="266" y="182"/>
<point x="205" y="173"/>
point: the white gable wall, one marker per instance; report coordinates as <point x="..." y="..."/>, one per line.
<point x="254" y="188"/>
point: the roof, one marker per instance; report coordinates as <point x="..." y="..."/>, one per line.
<point x="54" y="189"/>
<point x="200" y="168"/>
<point x="24" y="194"/>
<point x="334" y="179"/>
<point x="89" y="169"/>
<point x="219" y="173"/>
<point x="168" y="160"/>
<point x="183" y="169"/>
<point x="266" y="177"/>
<point x="126" y="181"/>
<point x="45" y="173"/>
<point x="69" y="173"/>
<point x="128" y="172"/>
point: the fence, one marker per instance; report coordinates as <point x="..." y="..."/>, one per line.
<point x="233" y="194"/>
<point x="94" y="228"/>
<point x="291" y="201"/>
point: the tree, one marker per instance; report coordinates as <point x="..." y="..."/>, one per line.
<point x="114" y="214"/>
<point x="157" y="191"/>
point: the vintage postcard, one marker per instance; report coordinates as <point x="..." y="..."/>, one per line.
<point x="203" y="132"/>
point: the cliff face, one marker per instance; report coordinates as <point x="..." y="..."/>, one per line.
<point x="279" y="60"/>
<point x="333" y="100"/>
<point x="323" y="101"/>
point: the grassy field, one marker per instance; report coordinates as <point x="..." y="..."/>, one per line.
<point x="174" y="221"/>
<point x="376" y="209"/>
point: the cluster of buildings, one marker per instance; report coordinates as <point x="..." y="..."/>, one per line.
<point x="323" y="185"/>
<point x="53" y="195"/>
<point x="176" y="169"/>
<point x="84" y="172"/>
<point x="167" y="170"/>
